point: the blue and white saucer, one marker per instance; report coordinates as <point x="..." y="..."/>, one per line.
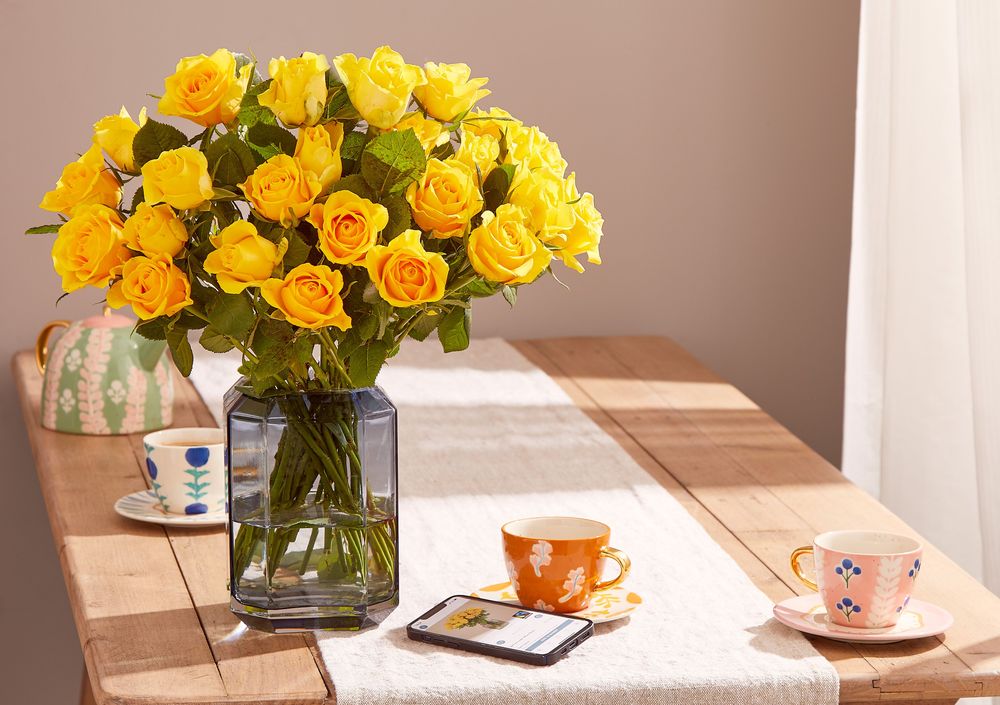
<point x="143" y="506"/>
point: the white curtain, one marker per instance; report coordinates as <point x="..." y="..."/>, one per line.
<point x="922" y="416"/>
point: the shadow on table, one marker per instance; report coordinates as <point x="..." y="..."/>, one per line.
<point x="767" y="639"/>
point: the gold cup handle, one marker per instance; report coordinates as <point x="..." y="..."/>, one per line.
<point x="624" y="565"/>
<point x="42" y="343"/>
<point x="797" y="569"/>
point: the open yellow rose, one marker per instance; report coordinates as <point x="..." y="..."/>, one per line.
<point x="584" y="237"/>
<point x="445" y="198"/>
<point x="297" y="94"/>
<point x="479" y="152"/>
<point x="449" y="92"/>
<point x="207" y="90"/>
<point x="281" y="190"/>
<point x="178" y="177"/>
<point x="89" y="247"/>
<point x="430" y="133"/>
<point x="545" y="196"/>
<point x="152" y="286"/>
<point x="155" y="230"/>
<point x="494" y="122"/>
<point x="530" y="149"/>
<point x="406" y="274"/>
<point x="115" y="134"/>
<point x="504" y="250"/>
<point x="82" y="183"/>
<point x="379" y="87"/>
<point x="318" y="151"/>
<point x="348" y="226"/>
<point x="242" y="258"/>
<point x="309" y="296"/>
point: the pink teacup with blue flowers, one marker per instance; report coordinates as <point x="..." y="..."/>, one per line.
<point x="865" y="578"/>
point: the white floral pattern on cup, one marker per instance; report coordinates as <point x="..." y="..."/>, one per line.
<point x="573" y="585"/>
<point x="542" y="605"/>
<point x="541" y="554"/>
<point x="512" y="572"/>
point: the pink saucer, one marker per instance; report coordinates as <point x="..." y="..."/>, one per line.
<point x="918" y="620"/>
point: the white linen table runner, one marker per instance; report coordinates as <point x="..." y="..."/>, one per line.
<point x="486" y="437"/>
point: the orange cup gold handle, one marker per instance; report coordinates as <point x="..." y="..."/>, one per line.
<point x="624" y="565"/>
<point x="797" y="569"/>
<point x="42" y="343"/>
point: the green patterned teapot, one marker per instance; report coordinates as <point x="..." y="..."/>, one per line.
<point x="102" y="380"/>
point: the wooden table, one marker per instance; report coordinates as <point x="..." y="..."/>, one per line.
<point x="152" y="608"/>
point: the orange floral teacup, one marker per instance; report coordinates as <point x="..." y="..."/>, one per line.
<point x="554" y="563"/>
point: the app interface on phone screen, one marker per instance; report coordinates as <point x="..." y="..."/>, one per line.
<point x="500" y="625"/>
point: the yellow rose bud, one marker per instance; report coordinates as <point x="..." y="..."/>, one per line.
<point x="318" y="151"/>
<point x="242" y="258"/>
<point x="155" y="230"/>
<point x="530" y="149"/>
<point x="309" y="296"/>
<point x="348" y="226"/>
<point x="479" y="151"/>
<point x="584" y="237"/>
<point x="449" y="91"/>
<point x="494" y="122"/>
<point x="430" y="133"/>
<point x="82" y="183"/>
<point x="207" y="90"/>
<point x="89" y="247"/>
<point x="445" y="198"/>
<point x="153" y="286"/>
<point x="281" y="190"/>
<point x="406" y="274"/>
<point x="114" y="134"/>
<point x="545" y="196"/>
<point x="503" y="249"/>
<point x="178" y="177"/>
<point x="297" y="94"/>
<point x="379" y="87"/>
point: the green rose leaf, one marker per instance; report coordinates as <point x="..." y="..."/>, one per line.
<point x="138" y="197"/>
<point x="356" y="184"/>
<point x="230" y="161"/>
<point x="363" y="364"/>
<point x="453" y="331"/>
<point x="251" y="111"/>
<point x="270" y="140"/>
<point x="497" y="186"/>
<point x="338" y="104"/>
<point x="43" y="229"/>
<point x="180" y="349"/>
<point x="424" y="326"/>
<point x="155" y="329"/>
<point x="510" y="294"/>
<point x="399" y="216"/>
<point x="298" y="250"/>
<point x="350" y="150"/>
<point x="480" y="287"/>
<point x="392" y="161"/>
<point x="214" y="341"/>
<point x="153" y="139"/>
<point x="232" y="315"/>
<point x="367" y="327"/>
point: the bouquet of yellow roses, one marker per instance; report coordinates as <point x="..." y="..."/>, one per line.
<point x="315" y="220"/>
<point x="473" y="617"/>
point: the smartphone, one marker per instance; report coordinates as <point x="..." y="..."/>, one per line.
<point x="500" y="629"/>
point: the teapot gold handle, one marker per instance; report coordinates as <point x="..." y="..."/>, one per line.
<point x="42" y="344"/>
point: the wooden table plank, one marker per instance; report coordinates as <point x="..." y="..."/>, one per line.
<point x="774" y="493"/>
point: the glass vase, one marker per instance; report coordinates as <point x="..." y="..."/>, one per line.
<point x="313" y="540"/>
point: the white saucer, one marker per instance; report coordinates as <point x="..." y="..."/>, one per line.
<point x="143" y="506"/>
<point x="605" y="606"/>
<point x="918" y="620"/>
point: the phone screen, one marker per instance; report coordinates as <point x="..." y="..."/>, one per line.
<point x="508" y="626"/>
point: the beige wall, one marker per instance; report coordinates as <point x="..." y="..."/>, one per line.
<point x="718" y="137"/>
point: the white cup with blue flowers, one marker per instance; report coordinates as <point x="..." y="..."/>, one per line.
<point x="186" y="469"/>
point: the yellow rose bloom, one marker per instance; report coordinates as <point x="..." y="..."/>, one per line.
<point x="479" y="151"/>
<point x="348" y="226"/>
<point x="155" y="230"/>
<point x="297" y="94"/>
<point x="89" y="247"/>
<point x="406" y="274"/>
<point x="115" y="133"/>
<point x="494" y="122"/>
<point x="530" y="149"/>
<point x="504" y="250"/>
<point x="445" y="198"/>
<point x="205" y="89"/>
<point x="178" y="177"/>
<point x="309" y="296"/>
<point x="379" y="87"/>
<point x="82" y="183"/>
<point x="430" y="133"/>
<point x="281" y="190"/>
<point x="584" y="237"/>
<point x="318" y="151"/>
<point x="152" y="286"/>
<point x="242" y="258"/>
<point x="449" y="91"/>
<point x="545" y="196"/>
